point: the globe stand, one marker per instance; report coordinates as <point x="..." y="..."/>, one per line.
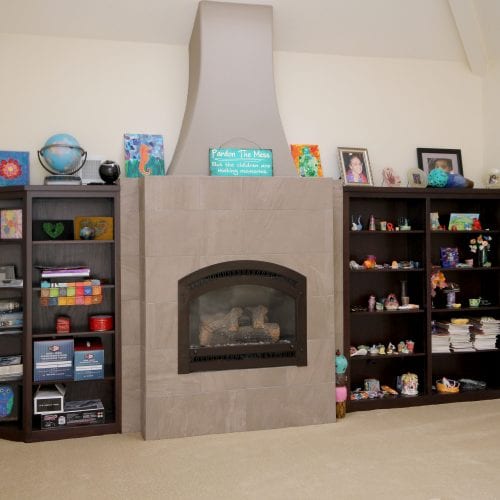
<point x="65" y="175"/>
<point x="62" y="180"/>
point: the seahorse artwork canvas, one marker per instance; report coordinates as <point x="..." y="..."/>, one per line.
<point x="143" y="155"/>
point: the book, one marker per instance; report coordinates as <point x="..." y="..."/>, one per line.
<point x="64" y="272"/>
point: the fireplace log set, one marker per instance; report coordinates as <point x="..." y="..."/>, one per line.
<point x="239" y="326"/>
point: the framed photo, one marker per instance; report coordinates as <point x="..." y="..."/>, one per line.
<point x="449" y="160"/>
<point x="417" y="178"/>
<point x="355" y="166"/>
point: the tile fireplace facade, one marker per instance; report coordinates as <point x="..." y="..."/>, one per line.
<point x="190" y="222"/>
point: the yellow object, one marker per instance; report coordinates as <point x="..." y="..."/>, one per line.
<point x="459" y="321"/>
<point x="447" y="386"/>
<point x="103" y="227"/>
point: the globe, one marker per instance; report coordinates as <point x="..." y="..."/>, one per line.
<point x="62" y="155"/>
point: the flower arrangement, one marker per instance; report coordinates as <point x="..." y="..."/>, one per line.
<point x="438" y="281"/>
<point x="480" y="243"/>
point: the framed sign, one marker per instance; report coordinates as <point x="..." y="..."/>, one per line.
<point x="240" y="162"/>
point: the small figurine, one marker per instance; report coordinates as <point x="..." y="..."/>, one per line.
<point x="476" y="224"/>
<point x="372" y="385"/>
<point x="373" y="349"/>
<point x="390" y="348"/>
<point x="409" y="384"/>
<point x="381" y="349"/>
<point x="389" y="390"/>
<point x="434" y="221"/>
<point x="379" y="306"/>
<point x="404" y="224"/>
<point x="394" y="264"/>
<point x="389" y="178"/>
<point x="390" y="226"/>
<point x="356" y="225"/>
<point x="401" y="346"/>
<point x="371" y="303"/>
<point x="391" y="302"/>
<point x="410" y="345"/>
<point x="370" y="262"/>
<point x="371" y="226"/>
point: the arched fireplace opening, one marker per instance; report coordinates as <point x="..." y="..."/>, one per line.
<point x="242" y="314"/>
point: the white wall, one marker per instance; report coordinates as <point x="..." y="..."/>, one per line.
<point x="99" y="90"/>
<point x="94" y="90"/>
<point x="491" y="106"/>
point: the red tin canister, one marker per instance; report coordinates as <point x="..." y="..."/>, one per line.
<point x="63" y="324"/>
<point x="100" y="322"/>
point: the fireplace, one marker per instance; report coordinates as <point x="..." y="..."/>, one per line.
<point x="242" y="314"/>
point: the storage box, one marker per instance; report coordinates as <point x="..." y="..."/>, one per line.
<point x="89" y="359"/>
<point x="53" y="360"/>
<point x="76" y="413"/>
<point x="49" y="399"/>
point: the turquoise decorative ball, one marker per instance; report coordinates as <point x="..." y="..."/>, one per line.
<point x="62" y="154"/>
<point x="437" y="178"/>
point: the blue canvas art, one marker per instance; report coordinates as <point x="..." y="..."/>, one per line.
<point x="14" y="168"/>
<point x="143" y="155"/>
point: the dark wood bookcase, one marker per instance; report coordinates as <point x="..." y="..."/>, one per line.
<point x="40" y="203"/>
<point x="422" y="245"/>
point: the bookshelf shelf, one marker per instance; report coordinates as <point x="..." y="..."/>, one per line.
<point x="47" y="203"/>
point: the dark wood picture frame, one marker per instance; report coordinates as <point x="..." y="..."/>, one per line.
<point x="451" y="160"/>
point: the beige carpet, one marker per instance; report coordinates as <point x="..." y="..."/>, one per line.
<point x="435" y="452"/>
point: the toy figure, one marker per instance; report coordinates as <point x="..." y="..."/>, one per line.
<point x="371" y="303"/>
<point x="476" y="224"/>
<point x="409" y="384"/>
<point x="371" y="226"/>
<point x="340" y="384"/>
<point x="391" y="302"/>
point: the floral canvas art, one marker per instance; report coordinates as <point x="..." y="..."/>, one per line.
<point x="307" y="160"/>
<point x="143" y="155"/>
<point x="11" y="224"/>
<point x="14" y="168"/>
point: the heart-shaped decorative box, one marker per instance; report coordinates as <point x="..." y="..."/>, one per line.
<point x="52" y="230"/>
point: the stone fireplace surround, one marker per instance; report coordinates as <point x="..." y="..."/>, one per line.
<point x="188" y="222"/>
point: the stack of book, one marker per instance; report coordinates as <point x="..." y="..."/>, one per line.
<point x="440" y="342"/>
<point x="64" y="272"/>
<point x="460" y="336"/>
<point x="485" y="331"/>
<point x="11" y="368"/>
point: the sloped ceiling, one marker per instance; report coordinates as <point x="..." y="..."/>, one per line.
<point x="372" y="28"/>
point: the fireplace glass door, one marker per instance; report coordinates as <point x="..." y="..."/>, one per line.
<point x="241" y="314"/>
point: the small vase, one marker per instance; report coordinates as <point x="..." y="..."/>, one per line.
<point x="481" y="257"/>
<point x="439" y="300"/>
<point x="450" y="299"/>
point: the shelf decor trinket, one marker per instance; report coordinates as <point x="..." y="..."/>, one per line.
<point x="391" y="302"/>
<point x="408" y="383"/>
<point x="447" y="386"/>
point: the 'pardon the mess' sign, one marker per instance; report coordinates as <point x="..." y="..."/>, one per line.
<point x="239" y="162"/>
